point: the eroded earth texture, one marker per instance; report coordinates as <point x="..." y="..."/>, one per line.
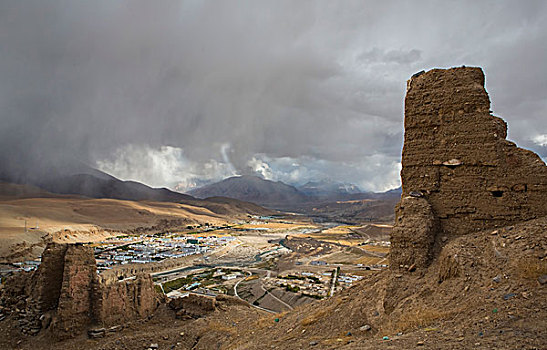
<point x="458" y="167"/>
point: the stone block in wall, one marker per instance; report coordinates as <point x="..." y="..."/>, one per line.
<point x="414" y="233"/>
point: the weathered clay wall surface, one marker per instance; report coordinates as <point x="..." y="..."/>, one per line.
<point x="74" y="310"/>
<point x="116" y="302"/>
<point x="193" y="306"/>
<point x="456" y="157"/>
<point x="50" y="276"/>
<point x="413" y="237"/>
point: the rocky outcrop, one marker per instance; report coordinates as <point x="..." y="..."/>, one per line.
<point x="456" y="158"/>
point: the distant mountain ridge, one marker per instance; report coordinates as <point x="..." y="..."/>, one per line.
<point x="326" y="198"/>
<point x="81" y="180"/>
<point x="252" y="189"/>
<point x="100" y="187"/>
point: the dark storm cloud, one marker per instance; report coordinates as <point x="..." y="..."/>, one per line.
<point x="181" y="91"/>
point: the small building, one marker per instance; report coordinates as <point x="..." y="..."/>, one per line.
<point x="229" y="277"/>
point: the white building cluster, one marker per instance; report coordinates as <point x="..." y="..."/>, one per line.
<point x="148" y="248"/>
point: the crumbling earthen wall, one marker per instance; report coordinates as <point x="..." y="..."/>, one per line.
<point x="456" y="157"/>
<point x="50" y="276"/>
<point x="67" y="288"/>
<point x="419" y="223"/>
<point x="119" y="301"/>
<point x="74" y="310"/>
<point x="193" y="306"/>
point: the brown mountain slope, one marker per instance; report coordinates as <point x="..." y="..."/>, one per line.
<point x="253" y="189"/>
<point x="109" y="187"/>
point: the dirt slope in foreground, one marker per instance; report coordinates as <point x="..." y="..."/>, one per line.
<point x="483" y="291"/>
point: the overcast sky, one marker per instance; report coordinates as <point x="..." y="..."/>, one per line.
<point x="185" y="92"/>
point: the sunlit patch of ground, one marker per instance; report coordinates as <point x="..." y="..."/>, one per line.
<point x="371" y="260"/>
<point x="376" y="248"/>
<point x="74" y="219"/>
<point x="275" y="225"/>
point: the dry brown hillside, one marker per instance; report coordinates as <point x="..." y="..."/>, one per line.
<point x="67" y="218"/>
<point x="484" y="291"/>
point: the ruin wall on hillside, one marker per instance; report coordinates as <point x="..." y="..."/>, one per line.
<point x="120" y="301"/>
<point x="75" y="304"/>
<point x="456" y="158"/>
<point x="67" y="288"/>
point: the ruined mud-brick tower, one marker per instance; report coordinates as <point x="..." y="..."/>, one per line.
<point x="67" y="288"/>
<point x="459" y="173"/>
